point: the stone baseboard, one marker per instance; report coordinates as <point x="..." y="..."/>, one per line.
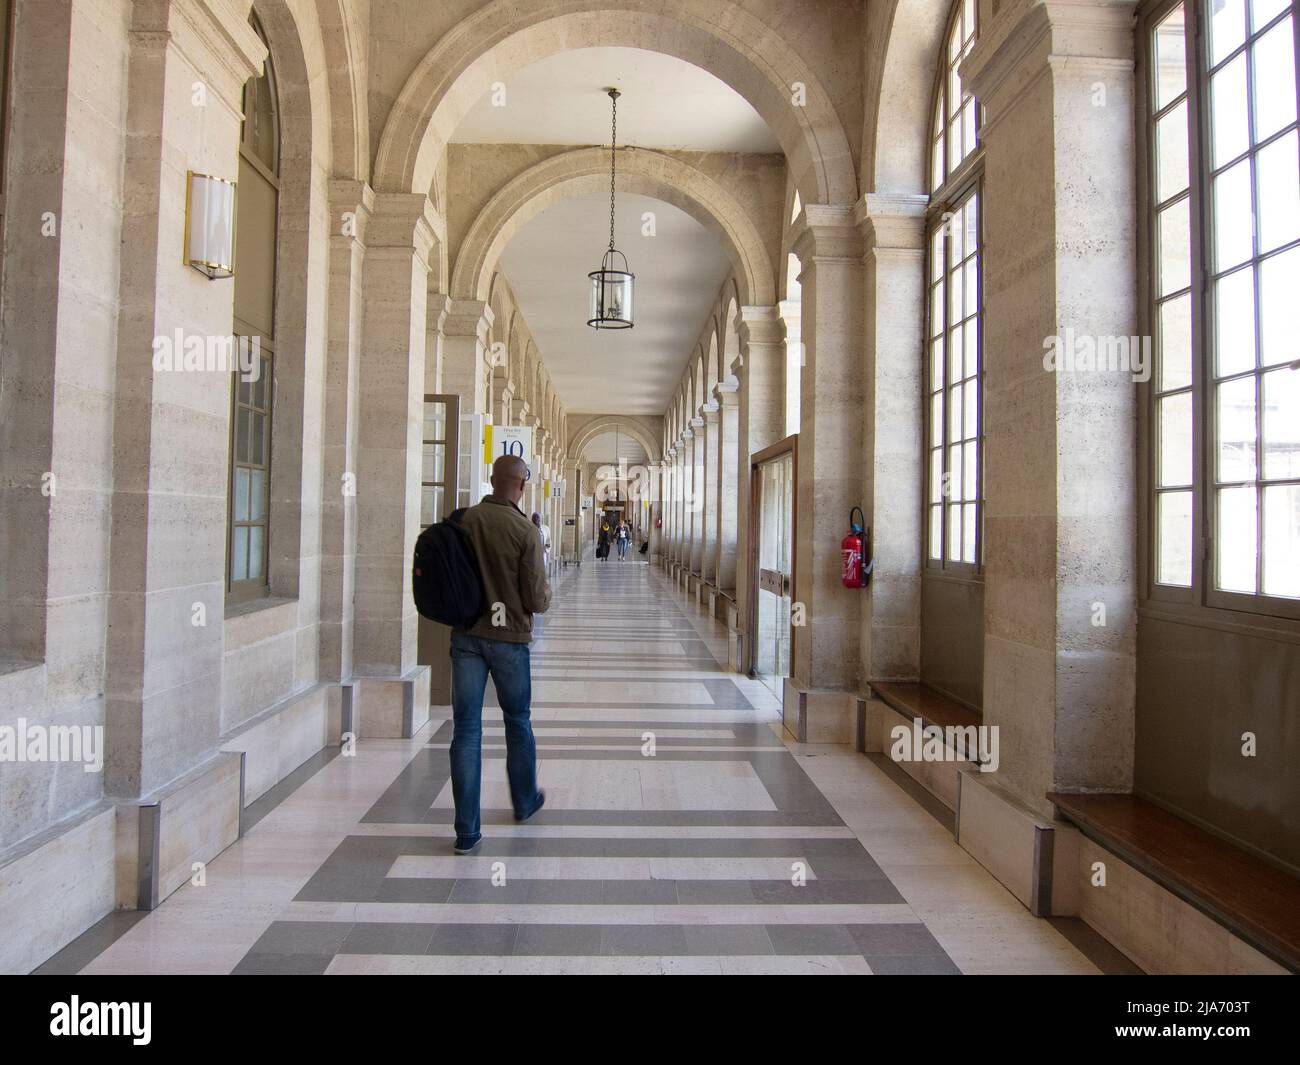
<point x="817" y="715"/>
<point x="393" y="708"/>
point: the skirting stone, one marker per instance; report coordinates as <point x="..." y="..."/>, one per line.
<point x="391" y="708"/>
<point x="817" y="716"/>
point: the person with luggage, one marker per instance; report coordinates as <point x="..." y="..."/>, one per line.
<point x="511" y="562"/>
<point x="602" y="543"/>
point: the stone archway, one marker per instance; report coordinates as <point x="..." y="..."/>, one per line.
<point x="718" y="35"/>
<point x="586" y="170"/>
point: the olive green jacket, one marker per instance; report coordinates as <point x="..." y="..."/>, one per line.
<point x="509" y="551"/>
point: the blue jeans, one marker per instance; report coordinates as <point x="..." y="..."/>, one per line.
<point x="472" y="659"/>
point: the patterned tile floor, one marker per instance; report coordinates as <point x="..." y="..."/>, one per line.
<point x="683" y="832"/>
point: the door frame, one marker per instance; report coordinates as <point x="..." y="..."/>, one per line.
<point x="790" y="445"/>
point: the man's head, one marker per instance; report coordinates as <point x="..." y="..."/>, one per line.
<point x="537" y="519"/>
<point x="508" y="476"/>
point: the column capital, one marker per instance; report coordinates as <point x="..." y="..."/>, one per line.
<point x="468" y="318"/>
<point x="696" y="423"/>
<point x="760" y="325"/>
<point x="892" y="221"/>
<point x="829" y="234"/>
<point x="404" y="220"/>
<point x="1029" y="37"/>
<point x="351" y="205"/>
<point x="688" y="435"/>
<point x="726" y="394"/>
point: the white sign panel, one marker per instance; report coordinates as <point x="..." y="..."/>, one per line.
<point x="501" y="440"/>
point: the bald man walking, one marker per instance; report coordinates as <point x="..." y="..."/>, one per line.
<point x="510" y="557"/>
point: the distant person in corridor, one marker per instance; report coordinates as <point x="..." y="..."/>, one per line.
<point x="511" y="560"/>
<point x="624" y="535"/>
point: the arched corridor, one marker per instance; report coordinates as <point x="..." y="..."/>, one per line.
<point x="904" y="398"/>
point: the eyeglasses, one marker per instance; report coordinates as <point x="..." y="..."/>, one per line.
<point x="528" y="475"/>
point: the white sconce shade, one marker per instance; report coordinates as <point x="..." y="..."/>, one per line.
<point x="210" y="225"/>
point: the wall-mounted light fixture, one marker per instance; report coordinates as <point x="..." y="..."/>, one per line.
<point x="210" y="224"/>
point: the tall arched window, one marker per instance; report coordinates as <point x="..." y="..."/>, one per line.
<point x="1222" y="239"/>
<point x="253" y="400"/>
<point x="953" y="366"/>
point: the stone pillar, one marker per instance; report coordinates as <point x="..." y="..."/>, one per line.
<point x="439" y="304"/>
<point x="399" y="244"/>
<point x="171" y="428"/>
<point x="699" y="492"/>
<point x="668" y="498"/>
<point x="688" y="496"/>
<point x="894" y="287"/>
<point x="760" y="422"/>
<point x="341" y="423"/>
<point x="828" y="475"/>
<point x="711" y="507"/>
<point x="1059" y="465"/>
<point x="465" y="351"/>
<point x="792" y="323"/>
<point x="728" y="480"/>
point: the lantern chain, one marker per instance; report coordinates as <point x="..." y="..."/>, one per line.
<point x="613" y="142"/>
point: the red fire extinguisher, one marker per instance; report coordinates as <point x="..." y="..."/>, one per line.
<point x="855" y="566"/>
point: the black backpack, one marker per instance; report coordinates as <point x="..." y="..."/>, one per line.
<point x="445" y="579"/>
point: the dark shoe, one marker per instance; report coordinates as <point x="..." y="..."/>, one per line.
<point x="468" y="846"/>
<point x="541" y="801"/>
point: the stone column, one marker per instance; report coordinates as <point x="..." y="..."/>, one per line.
<point x="828" y="473"/>
<point x="1059" y="218"/>
<point x="354" y="200"/>
<point x="439" y="304"/>
<point x="791" y="312"/>
<point x="687" y="494"/>
<point x="171" y="428"/>
<point x="894" y="287"/>
<point x="760" y="422"/>
<point x="465" y="351"/>
<point x="400" y="241"/>
<point x="699" y="492"/>
<point x="667" y="496"/>
<point x="728" y="475"/>
<point x="711" y="508"/>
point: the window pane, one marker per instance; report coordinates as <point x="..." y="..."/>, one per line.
<point x="1171" y="153"/>
<point x="1234" y="223"/>
<point x="1228" y="113"/>
<point x="1227" y="27"/>
<point x="936" y="363"/>
<point x="954" y="421"/>
<point x="970" y="469"/>
<point x="256" y="550"/>
<point x="968" y="127"/>
<point x="1279" y="193"/>
<point x="435" y="420"/>
<point x="239" y="555"/>
<point x="1282" y="426"/>
<point x="241" y="436"/>
<point x="1235" y="426"/>
<point x="972" y="347"/>
<point x="971" y="286"/>
<point x="241" y="494"/>
<point x="954" y="295"/>
<point x="1274" y="68"/>
<point x="433" y="462"/>
<point x="971" y="224"/>
<point x="1174" y="248"/>
<point x="244" y="388"/>
<point x="1263" y="11"/>
<point x="936" y="420"/>
<point x="954" y="532"/>
<point x="968" y="533"/>
<point x="937" y="318"/>
<point x="1174" y="538"/>
<point x="954" y="356"/>
<point x="936" y="531"/>
<point x="1282" y="540"/>
<point x="970" y="426"/>
<point x="257" y="495"/>
<point x="1237" y="549"/>
<point x="1176" y="343"/>
<point x="1171" y="58"/>
<point x="936" y="476"/>
<point x="1176" y="440"/>
<point x="1234" y="309"/>
<point x="954" y="473"/>
<point x="1279" y="308"/>
<point x="257" y="449"/>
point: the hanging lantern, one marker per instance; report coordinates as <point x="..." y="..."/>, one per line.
<point x="611" y="288"/>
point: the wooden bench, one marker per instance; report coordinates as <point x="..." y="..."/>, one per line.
<point x="1252" y="899"/>
<point x="932" y="707"/>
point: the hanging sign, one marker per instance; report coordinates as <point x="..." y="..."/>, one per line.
<point x="501" y="440"/>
